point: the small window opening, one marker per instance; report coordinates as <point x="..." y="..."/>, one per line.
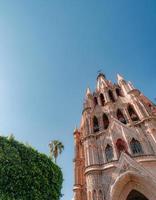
<point x="111" y="96"/>
<point x="118" y="92"/>
<point x="121" y="146"/>
<point x="95" y="124"/>
<point x="102" y="99"/>
<point x="132" y="113"/>
<point x="136" y="147"/>
<point x="121" y="117"/>
<point x="95" y="101"/>
<point x="109" y="153"/>
<point x="105" y="121"/>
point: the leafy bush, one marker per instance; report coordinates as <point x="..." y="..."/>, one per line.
<point x="26" y="174"/>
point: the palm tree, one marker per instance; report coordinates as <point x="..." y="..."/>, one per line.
<point x="56" y="148"/>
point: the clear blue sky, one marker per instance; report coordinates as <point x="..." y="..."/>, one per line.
<point x="50" y="51"/>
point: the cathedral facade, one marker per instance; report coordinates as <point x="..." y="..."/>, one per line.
<point x="115" y="146"/>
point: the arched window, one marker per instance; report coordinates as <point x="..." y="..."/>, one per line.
<point x="100" y="195"/>
<point x="87" y="126"/>
<point x="136" y="147"/>
<point x="135" y="195"/>
<point x="151" y="107"/>
<point x="95" y="124"/>
<point x="121" y="146"/>
<point x="102" y="99"/>
<point x="118" y="92"/>
<point x="95" y="101"/>
<point x="132" y="113"/>
<point x="109" y="153"/>
<point x="94" y="195"/>
<point x="121" y="117"/>
<point x="105" y="121"/>
<point x="111" y="96"/>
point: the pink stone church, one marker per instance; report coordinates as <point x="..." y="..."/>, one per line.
<point x="115" y="146"/>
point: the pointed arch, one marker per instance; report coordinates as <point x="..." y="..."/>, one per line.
<point x="105" y="121"/>
<point x="121" y="146"/>
<point x="136" y="147"/>
<point x="100" y="195"/>
<point x="109" y="153"/>
<point x="95" y="124"/>
<point x="121" y="117"/>
<point x="94" y="195"/>
<point x="132" y="113"/>
<point x="102" y="99"/>
<point x="130" y="180"/>
<point x="111" y="96"/>
<point x="134" y="194"/>
<point x="87" y="126"/>
<point x="95" y="101"/>
<point x="118" y="92"/>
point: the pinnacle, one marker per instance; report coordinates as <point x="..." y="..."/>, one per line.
<point x="101" y="74"/>
<point x="131" y="85"/>
<point x="88" y="91"/>
<point x="76" y="129"/>
<point x="119" y="77"/>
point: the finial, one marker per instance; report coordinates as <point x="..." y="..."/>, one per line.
<point x="100" y="73"/>
<point x="119" y="77"/>
<point x="88" y="92"/>
<point x="131" y="85"/>
<point x="76" y="129"/>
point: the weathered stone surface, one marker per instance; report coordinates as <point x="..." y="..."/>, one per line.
<point x="115" y="156"/>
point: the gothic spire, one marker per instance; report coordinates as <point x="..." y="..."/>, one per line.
<point x="119" y="78"/>
<point x="101" y="81"/>
<point x="88" y="92"/>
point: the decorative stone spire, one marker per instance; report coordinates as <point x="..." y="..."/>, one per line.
<point x="119" y="78"/>
<point x="101" y="81"/>
<point x="76" y="129"/>
<point x="126" y="86"/>
<point x="117" y="124"/>
<point x="87" y="99"/>
<point x="88" y="92"/>
<point x="123" y="84"/>
<point x="101" y="75"/>
<point x="131" y="85"/>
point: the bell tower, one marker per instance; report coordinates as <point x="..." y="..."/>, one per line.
<point x="115" y="145"/>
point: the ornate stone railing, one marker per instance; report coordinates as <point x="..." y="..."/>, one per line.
<point x="113" y="163"/>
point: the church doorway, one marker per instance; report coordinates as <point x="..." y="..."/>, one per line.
<point x="135" y="195"/>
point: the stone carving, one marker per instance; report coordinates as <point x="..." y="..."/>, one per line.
<point x="113" y="179"/>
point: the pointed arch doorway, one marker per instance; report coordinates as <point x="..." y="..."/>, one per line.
<point x="135" y="195"/>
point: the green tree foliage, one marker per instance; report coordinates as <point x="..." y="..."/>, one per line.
<point x="26" y="174"/>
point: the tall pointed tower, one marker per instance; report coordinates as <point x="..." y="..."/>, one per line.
<point x="115" y="146"/>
